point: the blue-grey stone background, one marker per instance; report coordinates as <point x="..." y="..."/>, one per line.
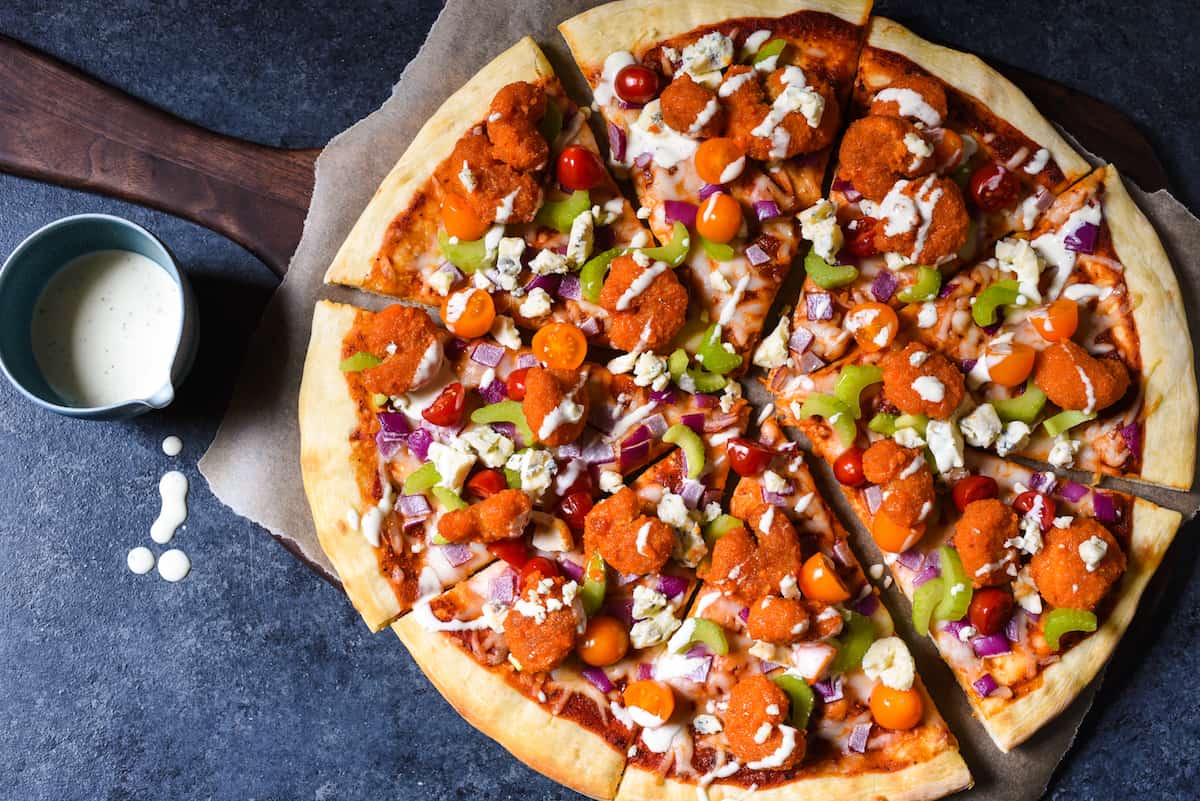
<point x="253" y="679"/>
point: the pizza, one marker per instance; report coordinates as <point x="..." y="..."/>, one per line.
<point x="538" y="465"/>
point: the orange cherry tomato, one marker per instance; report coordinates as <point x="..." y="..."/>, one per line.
<point x="819" y="581"/>
<point x="536" y="569"/>
<point x="714" y="157"/>
<point x="605" y="642"/>
<point x="469" y="312"/>
<point x="719" y="218"/>
<point x="460" y="218"/>
<point x="892" y="537"/>
<point x="1009" y="363"/>
<point x="874" y="325"/>
<point x="651" y="696"/>
<point x="486" y="483"/>
<point x="1056" y="322"/>
<point x="560" y="346"/>
<point x="896" y="709"/>
<point x="948" y="150"/>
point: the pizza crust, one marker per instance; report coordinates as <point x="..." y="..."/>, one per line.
<point x="1153" y="530"/>
<point x="555" y="747"/>
<point x="467" y="107"/>
<point x="637" y="25"/>
<point x="327" y="419"/>
<point x="1169" y="439"/>
<point x="969" y="74"/>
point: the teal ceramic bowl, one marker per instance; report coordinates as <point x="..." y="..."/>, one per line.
<point x="30" y="267"/>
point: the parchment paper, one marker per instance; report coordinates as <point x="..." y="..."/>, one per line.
<point x="252" y="465"/>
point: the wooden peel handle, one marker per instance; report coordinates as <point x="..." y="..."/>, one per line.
<point x="61" y="126"/>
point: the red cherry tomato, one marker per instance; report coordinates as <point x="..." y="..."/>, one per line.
<point x="515" y="384"/>
<point x="974" y="488"/>
<point x="636" y="84"/>
<point x="990" y="609"/>
<point x="747" y="457"/>
<point x="1025" y="502"/>
<point x="573" y="509"/>
<point x="512" y="551"/>
<point x="582" y="484"/>
<point x="579" y="168"/>
<point x="536" y="569"/>
<point x="486" y="483"/>
<point x="447" y="408"/>
<point x="994" y="188"/>
<point x="862" y="243"/>
<point x="849" y="468"/>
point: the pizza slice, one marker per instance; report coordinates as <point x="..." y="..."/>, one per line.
<point x="402" y="423"/>
<point x="503" y="189"/>
<point x="786" y="681"/>
<point x="724" y="114"/>
<point x="537" y="650"/>
<point x="1025" y="582"/>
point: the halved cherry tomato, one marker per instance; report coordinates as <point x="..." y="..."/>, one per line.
<point x="1025" y="502"/>
<point x="896" y="709"/>
<point x="720" y="218"/>
<point x="447" y="408"/>
<point x="536" y="569"/>
<point x="994" y="188"/>
<point x="573" y="509"/>
<point x="713" y="158"/>
<point x="460" y="218"/>
<point x="1009" y="363"/>
<point x="1056" y="322"/>
<point x="947" y="150"/>
<point x="974" y="488"/>
<point x="892" y="537"/>
<point x="469" y="312"/>
<point x="651" y="696"/>
<point x="747" y="457"/>
<point x="636" y="84"/>
<point x="515" y="383"/>
<point x="873" y="324"/>
<point x="560" y="346"/>
<point x="579" y="168"/>
<point x="514" y="552"/>
<point x="605" y="642"/>
<point x="849" y="468"/>
<point x="819" y="581"/>
<point x="486" y="483"/>
<point x="862" y="243"/>
<point x="990" y="609"/>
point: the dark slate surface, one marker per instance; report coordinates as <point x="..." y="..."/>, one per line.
<point x="252" y="679"/>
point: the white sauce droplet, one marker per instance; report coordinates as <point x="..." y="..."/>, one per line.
<point x="174" y="565"/>
<point x="172" y="446"/>
<point x="140" y="560"/>
<point x="173" y="489"/>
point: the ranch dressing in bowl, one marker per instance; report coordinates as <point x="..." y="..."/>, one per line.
<point x="105" y="328"/>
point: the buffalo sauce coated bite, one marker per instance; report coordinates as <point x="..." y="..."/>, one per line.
<point x="749" y="100"/>
<point x="633" y="543"/>
<point x="980" y="536"/>
<point x="503" y="516"/>
<point x="757" y="708"/>
<point x="1074" y="379"/>
<point x="777" y="620"/>
<point x="907" y="488"/>
<point x="748" y="566"/>
<point x="406" y="341"/>
<point x="873" y="155"/>
<point x="692" y="108"/>
<point x="1077" y="565"/>
<point x="647" y="304"/>
<point x="942" y="231"/>
<point x="543" y="625"/>
<point x="512" y="126"/>
<point x="919" y="381"/>
<point x="556" y="404"/>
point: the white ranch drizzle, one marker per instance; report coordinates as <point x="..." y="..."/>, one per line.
<point x="172" y="446"/>
<point x="172" y="488"/>
<point x="140" y="560"/>
<point x="911" y="104"/>
<point x="174" y="565"/>
<point x="640" y="284"/>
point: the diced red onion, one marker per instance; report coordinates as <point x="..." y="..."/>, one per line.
<point x="912" y="559"/>
<point x="616" y="142"/>
<point x="631" y="455"/>
<point x="625" y="579"/>
<point x="810" y="363"/>
<point x="947" y="290"/>
<point x="656" y="424"/>
<point x="598" y="679"/>
<point x="590" y="327"/>
<point x="598" y="452"/>
<point x="926" y="573"/>
<point x="527" y="360"/>
<point x="419" y="442"/>
<point x="494" y="392"/>
<point x="708" y="190"/>
<point x="509" y="430"/>
<point x="819" y="305"/>
<point x="414" y="506"/>
<point x="800" y="339"/>
<point x="627" y="106"/>
<point x="1103" y="507"/>
<point x="698" y="650"/>
<point x="642" y="160"/>
<point x="569" y="287"/>
<point x="680" y="211"/>
<point x="720" y="422"/>
<point x="602" y="417"/>
<point x="503" y="588"/>
<point x="968" y="365"/>
<point x="1082" y="239"/>
<point x="393" y="432"/>
<point x="847" y="189"/>
<point x="456" y="554"/>
<point x="1014" y="629"/>
<point x="1072" y="491"/>
<point x="699" y="673"/>
<point x="874" y="496"/>
<point x="884" y="285"/>
<point x="455" y="274"/>
<point x="645" y="671"/>
<point x="859" y="736"/>
<point x="867" y="604"/>
<point x="954" y="627"/>
<point x="830" y="689"/>
<point x="571" y="450"/>
<point x="1132" y="434"/>
<point x="991" y="645"/>
<point x="487" y="354"/>
<point x="985" y="685"/>
<point x="1038" y="481"/>
<point x="705" y="401"/>
<point x="744" y="613"/>
<point x="672" y="586"/>
<point x="572" y="570"/>
<point x="766" y="210"/>
<point x="757" y="256"/>
<point x="694" y="421"/>
<point x="773" y="498"/>
<point x="621" y="609"/>
<point x="548" y="282"/>
<point x="692" y="493"/>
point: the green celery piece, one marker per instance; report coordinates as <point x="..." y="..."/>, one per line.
<point x="826" y="275"/>
<point x="856" y="638"/>
<point x="512" y="478"/>
<point x="559" y="214"/>
<point x="712" y="353"/>
<point x="506" y="411"/>
<point x="595" y="583"/>
<point x="691" y="445"/>
<point x="771" y="48"/>
<point x="421" y="479"/>
<point x="707" y="382"/>
<point x="925" y="600"/>
<point x="709" y="633"/>
<point x="717" y="251"/>
<point x="470" y="257"/>
<point x="449" y="499"/>
<point x="883" y="423"/>
<point x="1065" y="421"/>
<point x="1063" y="621"/>
<point x="358" y="362"/>
<point x="379" y="400"/>
<point x="835" y="413"/>
<point x="675" y="251"/>
<point x="719" y="526"/>
<point x="591" y="275"/>
<point x="1001" y="293"/>
<point x="955" y="602"/>
<point x="916" y="421"/>
<point x="1025" y="407"/>
<point x="853" y="379"/>
<point x="677" y="363"/>
<point x="929" y="281"/>
<point x="801" y="696"/>
<point x="550" y="126"/>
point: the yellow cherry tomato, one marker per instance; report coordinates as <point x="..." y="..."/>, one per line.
<point x="896" y="709"/>
<point x="460" y="218"/>
<point x="819" y="581"/>
<point x="652" y="697"/>
<point x="605" y="642"/>
<point x="469" y="312"/>
<point x="719" y="218"/>
<point x="1057" y="321"/>
<point x="892" y="537"/>
<point x="874" y="325"/>
<point x="560" y="346"/>
<point x="1009" y="363"/>
<point x="715" y="156"/>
